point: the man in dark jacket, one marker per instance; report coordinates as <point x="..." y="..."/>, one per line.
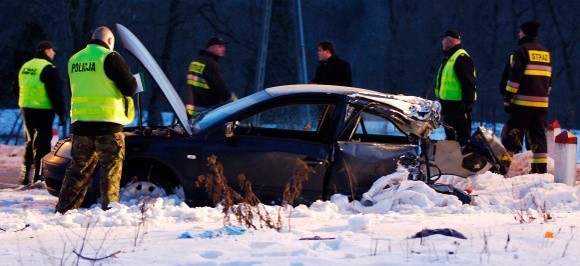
<point x="525" y="86"/>
<point x="455" y="88"/>
<point x="101" y="88"/>
<point x="331" y="69"/>
<point x="40" y="95"/>
<point x="206" y="84"/>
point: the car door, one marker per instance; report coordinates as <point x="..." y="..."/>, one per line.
<point x="278" y="146"/>
<point x="369" y="147"/>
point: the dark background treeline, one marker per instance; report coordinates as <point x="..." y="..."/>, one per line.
<point x="392" y="46"/>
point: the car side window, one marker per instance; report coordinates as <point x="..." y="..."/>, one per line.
<point x="375" y="128"/>
<point x="305" y="121"/>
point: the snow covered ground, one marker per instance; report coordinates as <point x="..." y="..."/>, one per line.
<point x="524" y="220"/>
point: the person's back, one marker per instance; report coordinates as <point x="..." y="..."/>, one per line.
<point x="40" y="97"/>
<point x="101" y="85"/>
<point x="526" y="85"/>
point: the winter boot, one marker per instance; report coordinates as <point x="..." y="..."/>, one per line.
<point x="26" y="174"/>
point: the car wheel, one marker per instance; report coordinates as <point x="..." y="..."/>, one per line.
<point x="148" y="179"/>
<point x="136" y="191"/>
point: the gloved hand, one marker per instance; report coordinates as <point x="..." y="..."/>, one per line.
<point x="507" y="107"/>
<point x="62" y="120"/>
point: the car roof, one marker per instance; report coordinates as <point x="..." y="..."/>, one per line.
<point x="403" y="102"/>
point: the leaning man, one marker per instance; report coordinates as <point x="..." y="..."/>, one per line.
<point x="101" y="87"/>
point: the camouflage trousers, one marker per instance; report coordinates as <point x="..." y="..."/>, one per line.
<point x="108" y="151"/>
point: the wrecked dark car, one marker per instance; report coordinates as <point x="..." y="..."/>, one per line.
<point x="345" y="137"/>
<point x="341" y="139"/>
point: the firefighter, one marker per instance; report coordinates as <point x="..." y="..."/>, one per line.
<point x="101" y="85"/>
<point x="206" y="84"/>
<point x="40" y="96"/>
<point x="526" y="86"/>
<point x="455" y="88"/>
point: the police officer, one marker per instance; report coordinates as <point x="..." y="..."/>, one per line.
<point x="40" y="95"/>
<point x="101" y="88"/>
<point x="206" y="84"/>
<point x="455" y="88"/>
<point x="526" y="86"/>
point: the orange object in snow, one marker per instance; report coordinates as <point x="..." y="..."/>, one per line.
<point x="549" y="234"/>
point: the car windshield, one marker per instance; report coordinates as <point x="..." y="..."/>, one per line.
<point x="213" y="116"/>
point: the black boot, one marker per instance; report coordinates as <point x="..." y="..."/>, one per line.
<point x="26" y="174"/>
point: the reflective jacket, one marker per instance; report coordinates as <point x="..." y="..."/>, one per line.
<point x="449" y="87"/>
<point x="32" y="90"/>
<point x="529" y="76"/>
<point x="207" y="82"/>
<point x="94" y="96"/>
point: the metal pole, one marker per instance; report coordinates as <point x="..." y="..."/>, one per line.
<point x="261" y="67"/>
<point x="303" y="77"/>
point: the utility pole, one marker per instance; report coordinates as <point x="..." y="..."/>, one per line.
<point x="261" y="67"/>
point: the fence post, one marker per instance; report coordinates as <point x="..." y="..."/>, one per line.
<point x="565" y="161"/>
<point x="553" y="131"/>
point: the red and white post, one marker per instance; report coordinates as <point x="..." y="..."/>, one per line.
<point x="553" y="131"/>
<point x="565" y="160"/>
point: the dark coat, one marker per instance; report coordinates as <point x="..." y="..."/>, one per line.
<point x="334" y="71"/>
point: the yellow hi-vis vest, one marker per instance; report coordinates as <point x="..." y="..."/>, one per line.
<point x="32" y="90"/>
<point x="94" y="96"/>
<point x="448" y="86"/>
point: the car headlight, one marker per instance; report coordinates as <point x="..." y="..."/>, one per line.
<point x="64" y="149"/>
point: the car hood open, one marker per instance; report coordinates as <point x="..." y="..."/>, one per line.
<point x="132" y="43"/>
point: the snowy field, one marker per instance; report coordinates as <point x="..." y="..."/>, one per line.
<point x="524" y="220"/>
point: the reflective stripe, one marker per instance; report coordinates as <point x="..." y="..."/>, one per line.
<point x="511" y="89"/>
<point x="532" y="98"/>
<point x="540" y="160"/>
<point x="512" y="86"/>
<point x="530" y="103"/>
<point x="538" y="73"/>
<point x="197" y="81"/>
<point x="539" y="67"/>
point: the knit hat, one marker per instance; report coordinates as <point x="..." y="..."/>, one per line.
<point x="452" y="34"/>
<point x="215" y="40"/>
<point x="530" y="28"/>
<point x="45" y="45"/>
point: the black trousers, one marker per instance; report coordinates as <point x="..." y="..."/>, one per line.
<point x="38" y="133"/>
<point x="532" y="123"/>
<point x="458" y="121"/>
